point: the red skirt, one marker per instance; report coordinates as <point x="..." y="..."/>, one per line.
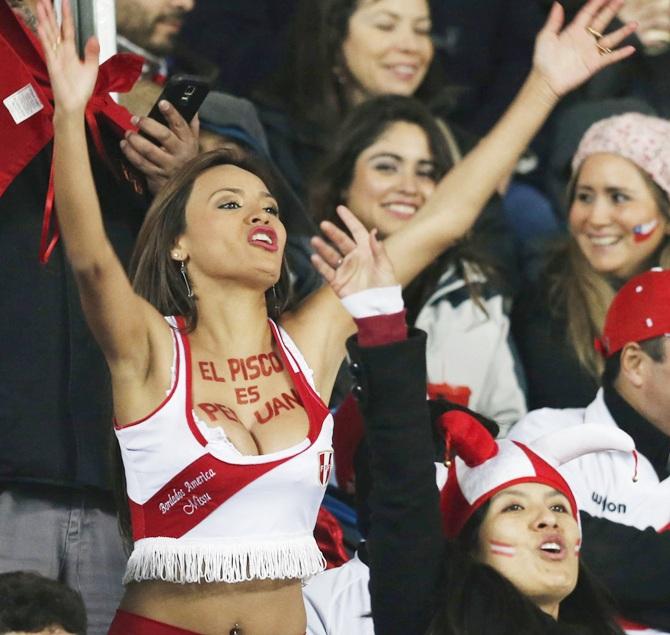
<point x="130" y="624"/>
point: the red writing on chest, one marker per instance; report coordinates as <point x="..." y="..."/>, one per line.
<point x="274" y="407"/>
<point x="215" y="410"/>
<point x="254" y="366"/>
<point x="208" y="372"/>
<point x="247" y="395"/>
<point x="246" y="368"/>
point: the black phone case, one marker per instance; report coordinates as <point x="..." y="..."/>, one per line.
<point x="185" y="92"/>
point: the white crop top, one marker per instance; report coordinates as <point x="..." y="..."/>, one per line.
<point x="203" y="512"/>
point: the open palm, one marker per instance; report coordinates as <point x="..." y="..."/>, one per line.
<point x="568" y="57"/>
<point x="352" y="263"/>
<point x="72" y="80"/>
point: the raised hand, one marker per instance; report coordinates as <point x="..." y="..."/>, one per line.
<point x="72" y="80"/>
<point x="355" y="263"/>
<point x="567" y="57"/>
<point x="175" y="145"/>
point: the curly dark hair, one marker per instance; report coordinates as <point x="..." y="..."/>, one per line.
<point x="31" y="603"/>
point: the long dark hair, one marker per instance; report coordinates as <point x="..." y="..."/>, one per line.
<point x="473" y="598"/>
<point x="312" y="83"/>
<point x="156" y="276"/>
<point x="360" y="129"/>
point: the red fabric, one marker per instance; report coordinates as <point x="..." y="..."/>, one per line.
<point x="330" y="538"/>
<point x="456" y="510"/>
<point x="347" y="434"/>
<point x="125" y="623"/>
<point x="455" y="394"/>
<point x="23" y="64"/>
<point x="639" y="311"/>
<point x="173" y="510"/>
<point x="468" y="438"/>
<point x="627" y="625"/>
<point x="378" y="330"/>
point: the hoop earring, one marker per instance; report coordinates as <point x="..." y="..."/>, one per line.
<point x="182" y="271"/>
<point x="275" y="300"/>
<point x="340" y="75"/>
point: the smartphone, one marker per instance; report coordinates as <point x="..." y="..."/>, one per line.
<point x="185" y="92"/>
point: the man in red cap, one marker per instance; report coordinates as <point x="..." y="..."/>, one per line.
<point x="625" y="525"/>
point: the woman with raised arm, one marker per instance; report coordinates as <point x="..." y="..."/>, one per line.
<point x="225" y="439"/>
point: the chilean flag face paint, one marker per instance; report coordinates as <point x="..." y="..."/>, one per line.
<point x="644" y="231"/>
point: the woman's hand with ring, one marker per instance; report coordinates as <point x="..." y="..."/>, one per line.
<point x="351" y="263"/>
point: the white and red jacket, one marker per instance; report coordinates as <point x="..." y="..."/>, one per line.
<point x="469" y="355"/>
<point x="203" y="512"/>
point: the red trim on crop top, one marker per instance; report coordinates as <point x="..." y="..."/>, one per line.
<point x="314" y="406"/>
<point x="175" y="378"/>
<point x="152" y="519"/>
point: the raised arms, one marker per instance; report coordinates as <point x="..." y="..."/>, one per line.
<point x="120" y="320"/>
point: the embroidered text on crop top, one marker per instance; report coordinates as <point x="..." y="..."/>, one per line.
<point x="203" y="512"/>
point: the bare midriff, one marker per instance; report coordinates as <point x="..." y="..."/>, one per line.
<point x="257" y="607"/>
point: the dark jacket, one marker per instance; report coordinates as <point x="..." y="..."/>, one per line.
<point x="554" y="376"/>
<point x="55" y="397"/>
<point x="407" y="552"/>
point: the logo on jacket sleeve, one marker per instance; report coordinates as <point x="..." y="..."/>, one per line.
<point x="325" y="465"/>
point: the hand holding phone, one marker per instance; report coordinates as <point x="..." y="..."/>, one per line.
<point x="167" y="141"/>
<point x="185" y="92"/>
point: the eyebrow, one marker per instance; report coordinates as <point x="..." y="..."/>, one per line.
<point x="608" y="188"/>
<point x="236" y="190"/>
<point x="395" y="16"/>
<point x="397" y="157"/>
<point x="516" y="492"/>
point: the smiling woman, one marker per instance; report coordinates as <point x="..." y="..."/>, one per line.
<point x="387" y="49"/>
<point x="619" y="221"/>
<point x="386" y="165"/>
<point x="341" y="53"/>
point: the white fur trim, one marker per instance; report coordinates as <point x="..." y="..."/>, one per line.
<point x="181" y="561"/>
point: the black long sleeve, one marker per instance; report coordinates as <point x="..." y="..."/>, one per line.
<point x="405" y="542"/>
<point x="641" y="591"/>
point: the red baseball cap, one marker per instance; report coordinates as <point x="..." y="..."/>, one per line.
<point x="639" y="311"/>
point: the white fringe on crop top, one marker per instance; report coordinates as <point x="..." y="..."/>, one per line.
<point x="203" y="512"/>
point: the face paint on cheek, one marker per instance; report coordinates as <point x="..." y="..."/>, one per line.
<point x="578" y="547"/>
<point x="644" y="231"/>
<point x="502" y="549"/>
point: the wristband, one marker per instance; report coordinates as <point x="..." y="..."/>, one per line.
<point x="379" y="330"/>
<point x="376" y="301"/>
